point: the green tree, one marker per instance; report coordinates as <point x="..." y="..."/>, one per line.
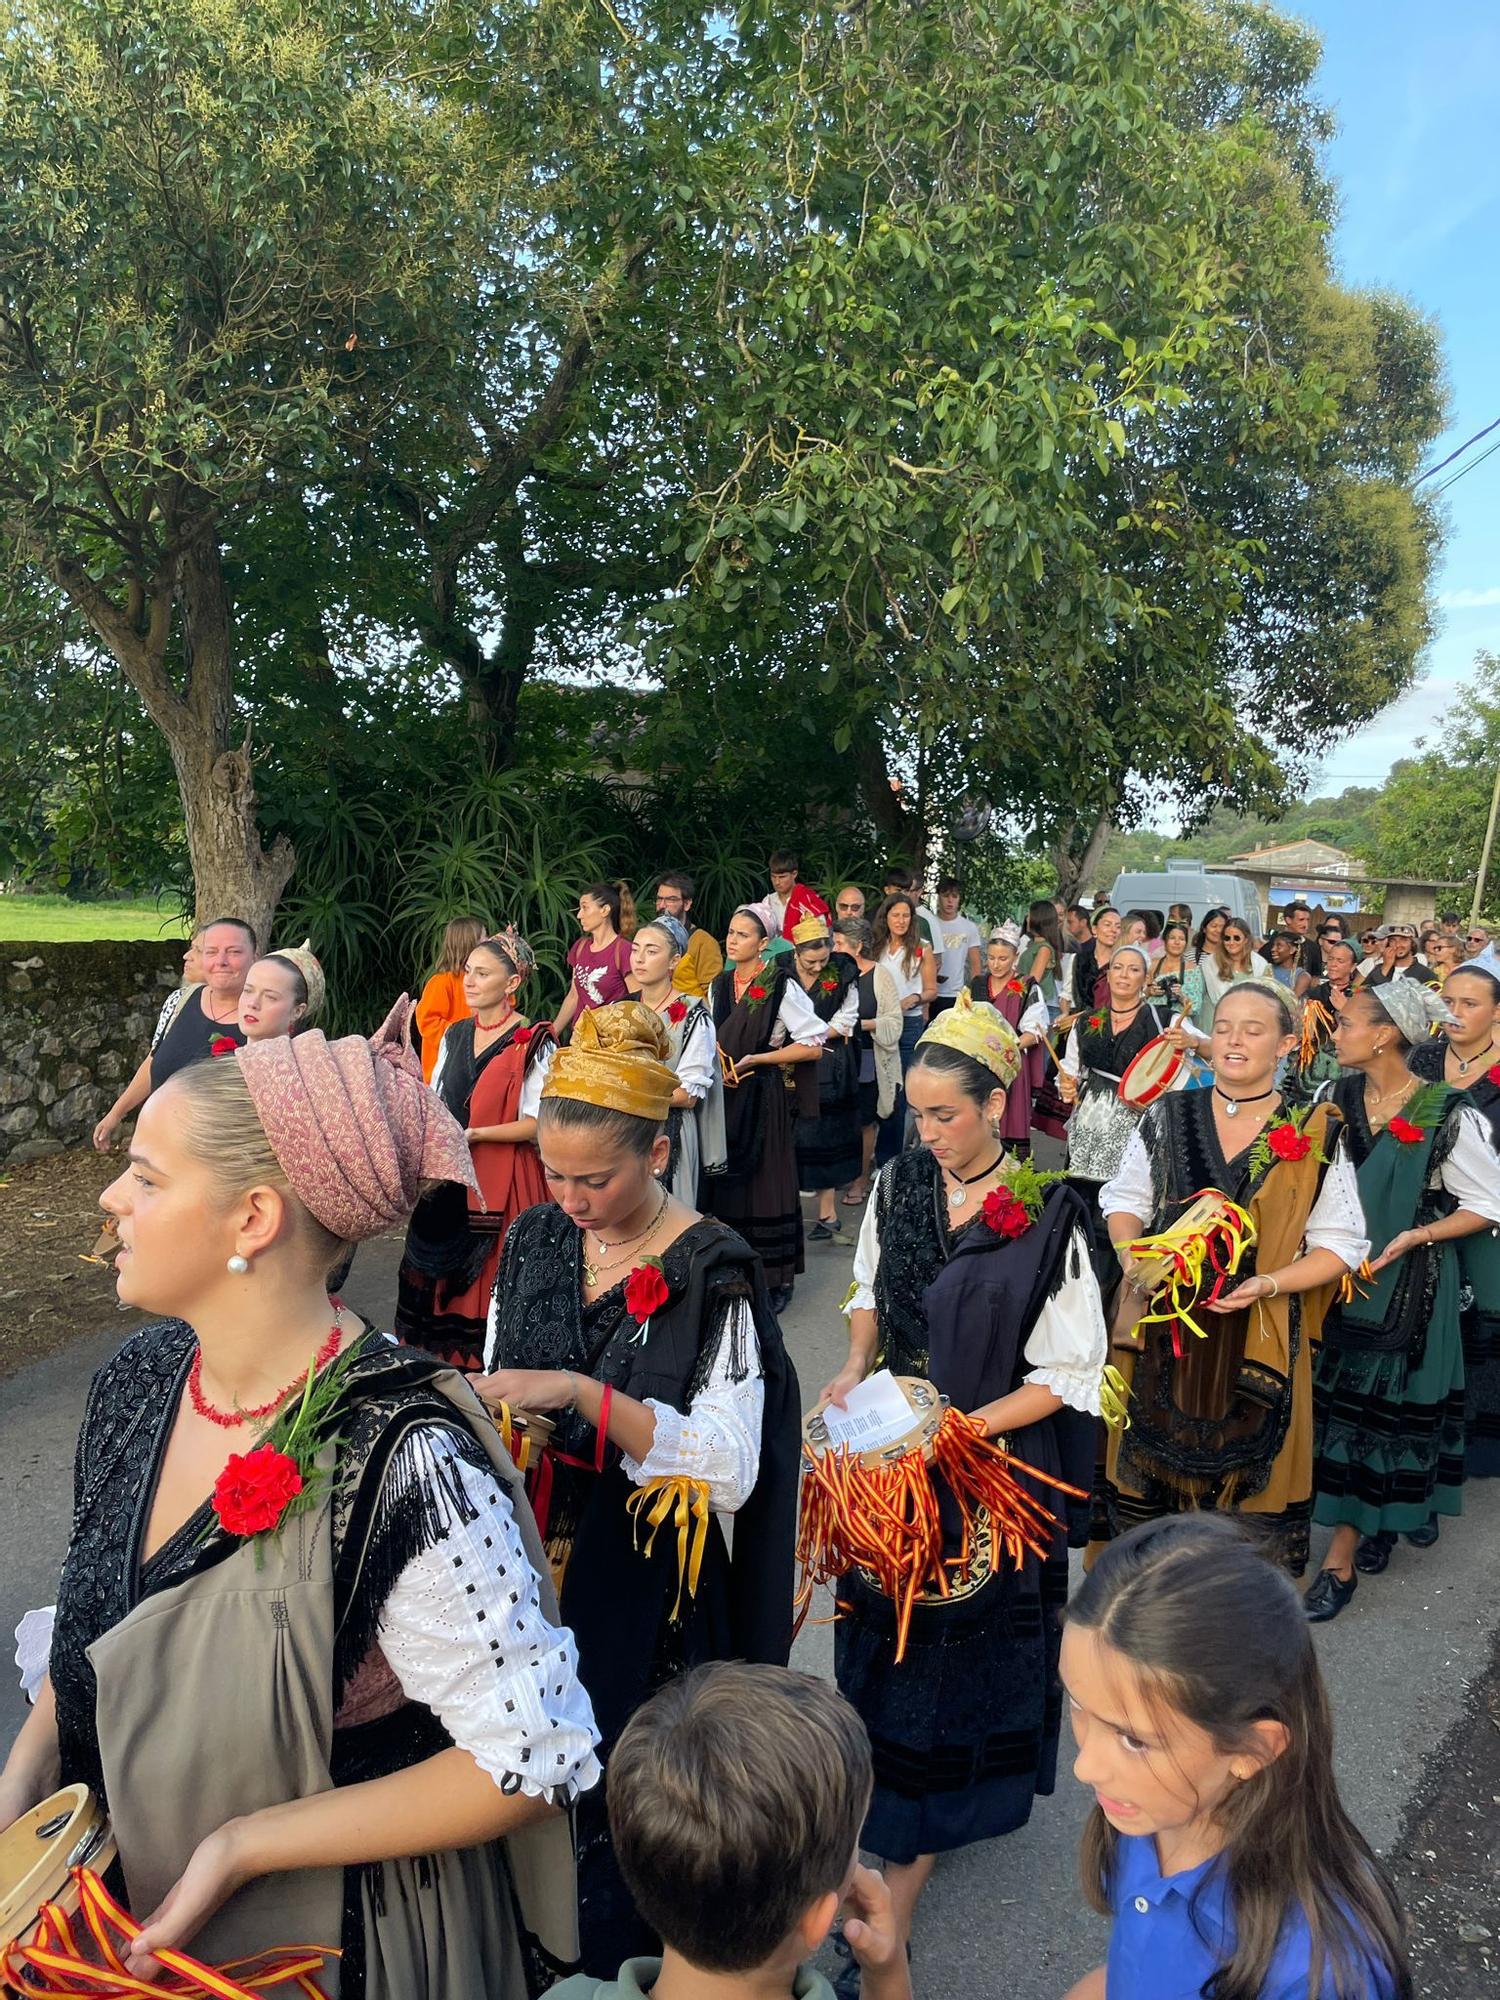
<point x="1430" y="816"/>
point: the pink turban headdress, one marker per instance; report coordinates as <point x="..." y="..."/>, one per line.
<point x="357" y="1132"/>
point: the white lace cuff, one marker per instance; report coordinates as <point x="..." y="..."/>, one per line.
<point x="1080" y="1391"/>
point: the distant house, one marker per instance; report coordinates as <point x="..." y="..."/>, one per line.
<point x="1296" y="857"/>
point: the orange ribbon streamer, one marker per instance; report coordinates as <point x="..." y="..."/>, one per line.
<point x="885" y="1518"/>
<point x="54" y="1965"/>
<point x="1349" y="1289"/>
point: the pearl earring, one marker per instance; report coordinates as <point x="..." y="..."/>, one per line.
<point x="239" y="1266"/>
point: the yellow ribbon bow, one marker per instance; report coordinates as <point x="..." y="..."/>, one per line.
<point x="687" y="1500"/>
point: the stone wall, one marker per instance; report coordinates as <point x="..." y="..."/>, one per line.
<point x="75" y="1020"/>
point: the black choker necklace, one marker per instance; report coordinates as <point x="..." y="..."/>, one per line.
<point x="1232" y="1104"/>
<point x="958" y="1196"/>
<point x="1466" y="1063"/>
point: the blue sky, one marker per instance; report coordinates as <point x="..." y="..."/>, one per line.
<point x="1415" y="85"/>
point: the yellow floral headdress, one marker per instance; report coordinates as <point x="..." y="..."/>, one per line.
<point x="978" y="1030"/>
<point x="811" y="930"/>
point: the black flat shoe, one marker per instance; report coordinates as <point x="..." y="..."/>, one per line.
<point x="1373" y="1553"/>
<point x="1423" y="1538"/>
<point x="1327" y="1595"/>
<point x="820" y="1232"/>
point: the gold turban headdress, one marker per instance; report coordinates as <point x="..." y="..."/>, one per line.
<point x="616" y="1059"/>
<point x="811" y="930"/>
<point x="978" y="1030"/>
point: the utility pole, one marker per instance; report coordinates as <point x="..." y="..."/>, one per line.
<point x="1489" y="843"/>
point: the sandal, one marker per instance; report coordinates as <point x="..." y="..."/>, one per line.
<point x="853" y="1200"/>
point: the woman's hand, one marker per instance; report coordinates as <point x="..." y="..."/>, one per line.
<point x="837" y="1391"/>
<point x="217" y="1868"/>
<point x="1176" y="1038"/>
<point x="1409" y="1239"/>
<point x="537" y="1389"/>
<point x="1067" y="1087"/>
<point x="1244" y="1294"/>
<point x="105" y="1131"/>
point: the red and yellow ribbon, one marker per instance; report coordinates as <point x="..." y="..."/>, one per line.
<point x="686" y="1501"/>
<point x="884" y="1519"/>
<point x="55" y="1965"/>
<point x="1189" y="1262"/>
<point x="1350" y="1285"/>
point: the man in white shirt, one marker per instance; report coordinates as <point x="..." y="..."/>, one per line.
<point x="956" y="945"/>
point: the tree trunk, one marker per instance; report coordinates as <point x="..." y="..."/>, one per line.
<point x="1075" y="866"/>
<point x="892" y="820"/>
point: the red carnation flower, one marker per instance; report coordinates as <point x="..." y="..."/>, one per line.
<point x="1004" y="1214"/>
<point x="1494" y="1074"/>
<point x="646" y="1291"/>
<point x="677" y="1012"/>
<point x="222" y="1045"/>
<point x="1013" y="986"/>
<point x="521" y="1039"/>
<point x="1287" y="1143"/>
<point x="1406" y="1132"/>
<point x="756" y="993"/>
<point x="255" y="1489"/>
<point x="829" y="985"/>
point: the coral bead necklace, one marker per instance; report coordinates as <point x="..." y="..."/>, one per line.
<point x="231" y="1419"/>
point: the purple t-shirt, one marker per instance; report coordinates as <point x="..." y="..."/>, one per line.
<point x="599" y="976"/>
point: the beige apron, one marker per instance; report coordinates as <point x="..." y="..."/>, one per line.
<point x="215" y="1698"/>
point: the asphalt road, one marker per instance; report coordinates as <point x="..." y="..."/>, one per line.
<point x="1405" y="1664"/>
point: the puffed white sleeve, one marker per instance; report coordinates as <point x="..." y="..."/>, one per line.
<point x="699" y="1058"/>
<point x="866" y="1256"/>
<point x="1069" y="1346"/>
<point x="1336" y="1220"/>
<point x="846" y="1018"/>
<point x="1471" y="1172"/>
<point x="718" y="1441"/>
<point x="1035" y="1020"/>
<point x="1129" y="1192"/>
<point x="530" y="1101"/>
<point x="797" y="1017"/>
<point x="1072" y="1061"/>
<point x="464" y="1633"/>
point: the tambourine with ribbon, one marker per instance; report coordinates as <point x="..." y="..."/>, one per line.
<point x="877" y="1509"/>
<point x="1188" y="1264"/>
<point x="62" y="1934"/>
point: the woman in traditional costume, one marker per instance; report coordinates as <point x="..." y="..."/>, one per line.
<point x="878" y="1042"/>
<point x="1226" y="1420"/>
<point x="965" y="1728"/>
<point x="489" y="1073"/>
<point x="764" y="1023"/>
<point x="829" y="1155"/>
<point x="645" y="1330"/>
<point x="1101" y="1046"/>
<point x="1390" y="1371"/>
<point x="695" y="1124"/>
<point x="306" y="1647"/>
<point x="1467" y="1057"/>
<point x="1024" y="1007"/>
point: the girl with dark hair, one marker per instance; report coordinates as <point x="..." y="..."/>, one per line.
<point x="764" y="1022"/>
<point x="1102" y="1044"/>
<point x="599" y="961"/>
<point x="1390" y="1371"/>
<point x="912" y="968"/>
<point x="1042" y="957"/>
<point x="1171" y="968"/>
<point x="1227" y="1421"/>
<point x="489" y="1073"/>
<point x="829" y="1154"/>
<point x="958" y="1238"/>
<point x="644" y="1329"/>
<point x="1218" y="1841"/>
<point x="1466" y="1056"/>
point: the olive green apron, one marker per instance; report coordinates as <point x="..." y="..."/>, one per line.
<point x="216" y="1699"/>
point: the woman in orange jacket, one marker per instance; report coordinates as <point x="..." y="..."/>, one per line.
<point x="442" y="1002"/>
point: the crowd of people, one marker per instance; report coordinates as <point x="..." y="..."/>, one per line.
<point x="509" y="1699"/>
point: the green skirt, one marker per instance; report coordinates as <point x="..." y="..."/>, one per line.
<point x="1390" y="1427"/>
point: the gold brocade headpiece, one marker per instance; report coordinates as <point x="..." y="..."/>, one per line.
<point x="811" y="930"/>
<point x="981" y="1031"/>
<point x="615" y="1059"/>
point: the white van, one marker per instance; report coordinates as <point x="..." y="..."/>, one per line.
<point x="1188" y="882"/>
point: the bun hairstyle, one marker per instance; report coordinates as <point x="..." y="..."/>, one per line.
<point x="1217" y="1634"/>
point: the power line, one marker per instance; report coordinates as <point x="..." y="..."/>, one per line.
<point x="1495" y="426"/>
<point x="1463" y="469"/>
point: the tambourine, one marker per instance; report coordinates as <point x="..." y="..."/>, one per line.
<point x="37" y="1851"/>
<point x="1208" y="1216"/>
<point x="1151" y="1074"/>
<point x="926" y="1406"/>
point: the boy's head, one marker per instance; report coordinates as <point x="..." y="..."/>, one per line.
<point x="736" y="1796"/>
<point x="783" y="868"/>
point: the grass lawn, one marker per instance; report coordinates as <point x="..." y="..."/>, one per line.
<point x="56" y="920"/>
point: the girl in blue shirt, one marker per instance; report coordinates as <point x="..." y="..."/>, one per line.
<point x="1218" y="1842"/>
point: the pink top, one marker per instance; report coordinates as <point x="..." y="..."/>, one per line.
<point x="599" y="976"/>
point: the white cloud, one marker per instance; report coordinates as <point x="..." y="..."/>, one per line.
<point x="1470" y="600"/>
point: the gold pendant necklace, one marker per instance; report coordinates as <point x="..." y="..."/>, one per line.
<point x="594" y="1270"/>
